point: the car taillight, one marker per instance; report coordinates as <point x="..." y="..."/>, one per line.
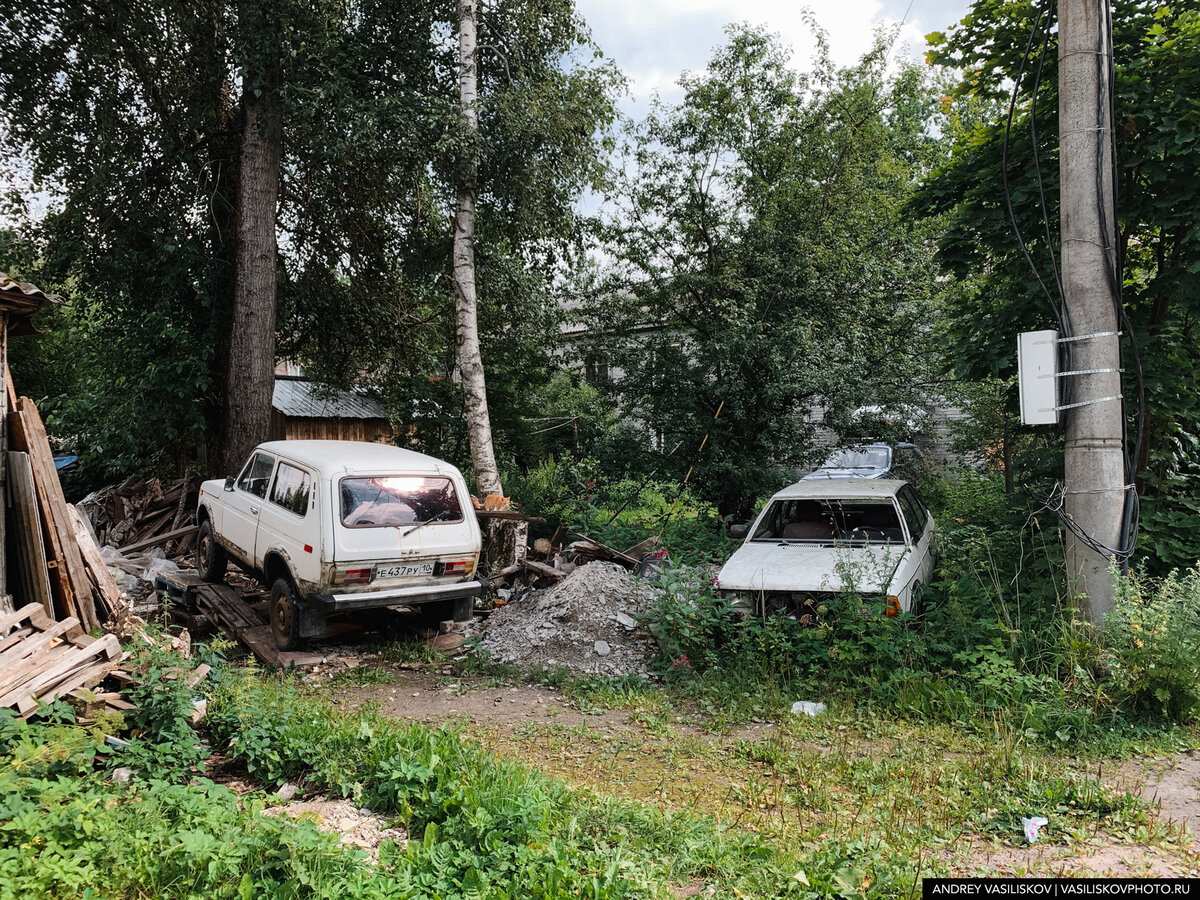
<point x="892" y="608"/>
<point x="458" y="567"/>
<point x="352" y="576"/>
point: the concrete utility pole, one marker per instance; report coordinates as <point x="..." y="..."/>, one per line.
<point x="1095" y="473"/>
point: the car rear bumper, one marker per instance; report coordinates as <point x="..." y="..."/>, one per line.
<point x="426" y="593"/>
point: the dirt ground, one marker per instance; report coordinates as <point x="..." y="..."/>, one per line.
<point x="538" y="724"/>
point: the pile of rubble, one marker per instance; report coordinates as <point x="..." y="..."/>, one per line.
<point x="587" y="623"/>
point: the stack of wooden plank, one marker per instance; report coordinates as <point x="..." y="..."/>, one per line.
<point x="140" y="514"/>
<point x="42" y="659"/>
<point x="57" y="561"/>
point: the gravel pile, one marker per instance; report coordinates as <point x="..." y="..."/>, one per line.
<point x="585" y="623"/>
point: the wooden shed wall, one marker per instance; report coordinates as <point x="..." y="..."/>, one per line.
<point x="285" y="428"/>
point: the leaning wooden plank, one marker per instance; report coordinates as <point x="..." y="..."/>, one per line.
<point x="107" y="647"/>
<point x="160" y="539"/>
<point x="54" y="511"/>
<point x="260" y="640"/>
<point x="27" y="521"/>
<point x="225" y="604"/>
<point x="98" y="570"/>
<point x="60" y="585"/>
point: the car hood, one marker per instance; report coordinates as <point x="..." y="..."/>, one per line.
<point x="775" y="566"/>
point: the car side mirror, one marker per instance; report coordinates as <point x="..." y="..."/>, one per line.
<point x="229" y="483"/>
<point x="739" y="531"/>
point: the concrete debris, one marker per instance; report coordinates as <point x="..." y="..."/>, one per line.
<point x="357" y="827"/>
<point x="576" y="624"/>
<point x="287" y="791"/>
<point x="121" y="775"/>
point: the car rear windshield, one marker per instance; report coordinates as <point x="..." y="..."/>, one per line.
<point x="398" y="500"/>
<point x="866" y="458"/>
<point x="827" y="521"/>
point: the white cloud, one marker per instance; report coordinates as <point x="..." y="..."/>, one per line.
<point x="654" y="41"/>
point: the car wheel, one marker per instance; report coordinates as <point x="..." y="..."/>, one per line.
<point x="285" y="615"/>
<point x="211" y="559"/>
<point x="917" y="605"/>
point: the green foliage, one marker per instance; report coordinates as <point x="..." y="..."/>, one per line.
<point x="762" y="266"/>
<point x="1153" y="638"/>
<point x="622" y="512"/>
<point x="130" y="115"/>
<point x="163" y="743"/>
<point x="1156" y="47"/>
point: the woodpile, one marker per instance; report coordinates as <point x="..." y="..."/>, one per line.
<point x="42" y="659"/>
<point x="145" y="513"/>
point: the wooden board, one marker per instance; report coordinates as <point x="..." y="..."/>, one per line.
<point x="262" y="643"/>
<point x="47" y="475"/>
<point x="160" y="539"/>
<point x="27" y="525"/>
<point x="31" y="612"/>
<point x="98" y="572"/>
<point x="107" y="648"/>
<point x="36" y="643"/>
<point x="73" y="596"/>
<point x="541" y="569"/>
<point x="224" y="605"/>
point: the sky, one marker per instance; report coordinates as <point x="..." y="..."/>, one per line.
<point x="654" y="41"/>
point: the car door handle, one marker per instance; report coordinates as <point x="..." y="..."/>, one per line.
<point x="254" y="510"/>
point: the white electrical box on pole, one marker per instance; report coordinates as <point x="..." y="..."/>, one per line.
<point x="1037" y="377"/>
<point x="1095" y="481"/>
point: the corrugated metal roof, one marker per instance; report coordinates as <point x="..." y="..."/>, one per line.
<point x="21" y="298"/>
<point x="297" y="397"/>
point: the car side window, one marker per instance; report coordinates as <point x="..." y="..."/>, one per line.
<point x="257" y="475"/>
<point x="914" y="513"/>
<point x="292" y="489"/>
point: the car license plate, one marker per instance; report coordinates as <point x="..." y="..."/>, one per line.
<point x="409" y="570"/>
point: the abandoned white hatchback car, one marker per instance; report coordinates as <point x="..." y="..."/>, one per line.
<point x="330" y="526"/>
<point x="818" y="538"/>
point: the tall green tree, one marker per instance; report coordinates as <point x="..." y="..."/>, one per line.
<point x="762" y="267"/>
<point x="1157" y="56"/>
<point x="145" y="119"/>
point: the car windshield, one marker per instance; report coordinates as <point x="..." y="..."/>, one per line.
<point x="398" y="500"/>
<point x="863" y="458"/>
<point x="832" y="521"/>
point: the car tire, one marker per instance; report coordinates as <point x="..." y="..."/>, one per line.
<point x="285" y="615"/>
<point x="211" y="559"/>
<point x="917" y="605"/>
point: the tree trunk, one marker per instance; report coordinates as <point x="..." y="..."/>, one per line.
<point x="470" y="360"/>
<point x="250" y="377"/>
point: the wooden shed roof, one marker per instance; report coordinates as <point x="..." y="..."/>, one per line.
<point x="21" y="299"/>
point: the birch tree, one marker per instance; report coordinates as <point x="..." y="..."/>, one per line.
<point x="470" y="359"/>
